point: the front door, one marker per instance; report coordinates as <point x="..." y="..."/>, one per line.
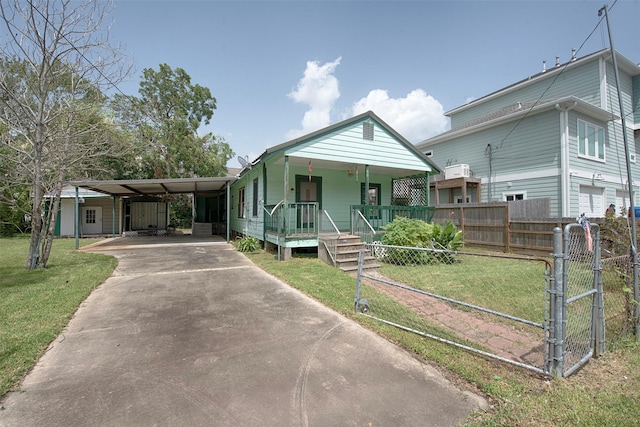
<point x="308" y="190"/>
<point x="91" y="220"/>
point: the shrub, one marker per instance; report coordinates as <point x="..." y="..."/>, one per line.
<point x="447" y="235"/>
<point x="407" y="232"/>
<point x="247" y="244"/>
<point x="416" y="233"/>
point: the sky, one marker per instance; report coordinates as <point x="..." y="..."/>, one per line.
<point x="282" y="69"/>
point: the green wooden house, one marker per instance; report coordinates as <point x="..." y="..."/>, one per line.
<point x="555" y="135"/>
<point x="331" y="188"/>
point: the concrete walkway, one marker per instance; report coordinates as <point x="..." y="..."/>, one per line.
<point x="188" y="332"/>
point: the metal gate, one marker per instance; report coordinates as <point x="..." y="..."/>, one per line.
<point x="541" y="314"/>
<point x="577" y="309"/>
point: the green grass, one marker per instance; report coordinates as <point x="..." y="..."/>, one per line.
<point x="604" y="392"/>
<point x="476" y="279"/>
<point x="36" y="305"/>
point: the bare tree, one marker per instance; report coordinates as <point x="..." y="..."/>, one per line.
<point x="55" y="67"/>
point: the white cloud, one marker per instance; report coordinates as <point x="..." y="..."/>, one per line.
<point x="318" y="89"/>
<point x="417" y="116"/>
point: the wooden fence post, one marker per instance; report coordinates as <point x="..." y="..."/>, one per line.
<point x="507" y="236"/>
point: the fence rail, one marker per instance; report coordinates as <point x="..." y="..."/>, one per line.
<point x="450" y="297"/>
<point x="379" y="216"/>
<point x="502" y="225"/>
<point x="548" y="318"/>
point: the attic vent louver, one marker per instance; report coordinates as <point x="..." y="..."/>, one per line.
<point x="367" y="131"/>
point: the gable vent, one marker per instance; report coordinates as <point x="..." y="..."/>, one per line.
<point x="367" y="131"/>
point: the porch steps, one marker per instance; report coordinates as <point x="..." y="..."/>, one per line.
<point x="347" y="250"/>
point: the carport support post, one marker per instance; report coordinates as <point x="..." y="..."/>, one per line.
<point x="228" y="211"/>
<point x="76" y="218"/>
<point x="556" y="338"/>
<point x="113" y="217"/>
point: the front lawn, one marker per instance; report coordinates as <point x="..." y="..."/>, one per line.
<point x="604" y="392"/>
<point x="36" y="305"/>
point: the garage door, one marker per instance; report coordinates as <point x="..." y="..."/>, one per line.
<point x="592" y="201"/>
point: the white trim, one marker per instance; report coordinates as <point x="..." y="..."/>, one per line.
<point x="599" y="129"/>
<point x="604" y="100"/>
<point x="519" y="176"/>
<point x="514" y="193"/>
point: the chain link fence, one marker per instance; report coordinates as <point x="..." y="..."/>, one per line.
<point x="492" y="304"/>
<point x="617" y="282"/>
<point x="581" y="302"/>
<point x="543" y="314"/>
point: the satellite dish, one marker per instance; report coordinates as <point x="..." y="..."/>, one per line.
<point x="244" y="162"/>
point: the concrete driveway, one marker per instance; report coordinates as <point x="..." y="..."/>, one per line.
<point x="188" y="332"/>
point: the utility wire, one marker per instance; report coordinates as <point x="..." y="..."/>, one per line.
<point x="552" y="83"/>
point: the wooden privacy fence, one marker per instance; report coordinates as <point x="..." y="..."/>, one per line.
<point x="521" y="226"/>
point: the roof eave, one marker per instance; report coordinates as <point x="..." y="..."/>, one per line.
<point x="566" y="102"/>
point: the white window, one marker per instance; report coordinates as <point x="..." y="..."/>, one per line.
<point x="510" y="197"/>
<point x="590" y="141"/>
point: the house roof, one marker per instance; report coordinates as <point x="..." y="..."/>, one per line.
<point x="281" y="148"/>
<point x="624" y="63"/>
<point x="519" y="111"/>
<point x="139" y="187"/>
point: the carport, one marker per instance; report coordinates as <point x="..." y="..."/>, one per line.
<point x="126" y="189"/>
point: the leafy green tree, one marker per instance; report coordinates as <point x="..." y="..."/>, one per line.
<point x="165" y="119"/>
<point x="56" y="62"/>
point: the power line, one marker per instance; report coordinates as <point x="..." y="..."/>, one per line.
<point x="550" y="84"/>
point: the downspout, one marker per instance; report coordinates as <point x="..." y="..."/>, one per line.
<point x="564" y="157"/>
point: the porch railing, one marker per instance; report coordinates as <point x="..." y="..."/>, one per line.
<point x="379" y="216"/>
<point x="293" y="219"/>
<point x="328" y="235"/>
<point x="361" y="227"/>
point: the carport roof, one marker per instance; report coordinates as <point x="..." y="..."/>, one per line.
<point x="140" y="187"/>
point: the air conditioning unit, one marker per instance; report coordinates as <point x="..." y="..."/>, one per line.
<point x="456" y="171"/>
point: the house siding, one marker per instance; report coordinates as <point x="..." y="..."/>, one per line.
<point x="636" y="99"/>
<point x="67" y="214"/>
<point x="383" y="150"/>
<point x="530" y="159"/>
<point x="534" y="147"/>
<point x="626" y="88"/>
<point x="582" y="81"/>
<point x="339" y="154"/>
<point x="249" y="225"/>
<point x="336" y="203"/>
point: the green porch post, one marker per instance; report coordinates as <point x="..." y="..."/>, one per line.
<point x="427" y="189"/>
<point x="366" y="191"/>
<point x="286" y="253"/>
